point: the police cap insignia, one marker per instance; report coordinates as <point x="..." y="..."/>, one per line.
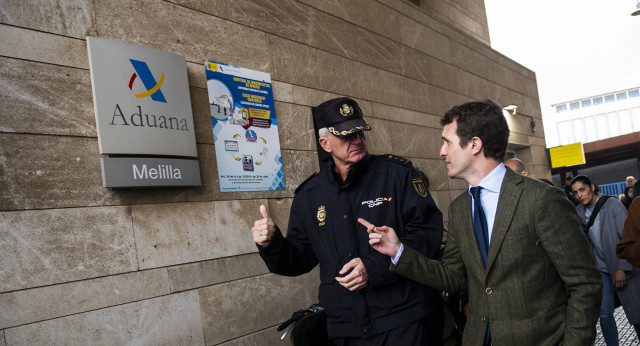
<point x="341" y="116"/>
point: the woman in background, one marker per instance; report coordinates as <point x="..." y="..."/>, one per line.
<point x="618" y="276"/>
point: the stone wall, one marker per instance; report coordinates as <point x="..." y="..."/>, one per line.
<point x="81" y="264"/>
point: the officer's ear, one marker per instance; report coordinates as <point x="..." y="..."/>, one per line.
<point x="324" y="143"/>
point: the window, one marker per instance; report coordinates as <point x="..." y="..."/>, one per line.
<point x="609" y="98"/>
<point x="634" y="93"/>
<point x="561" y="108"/>
<point x="586" y="103"/>
<point x="621" y="96"/>
<point x="574" y="105"/>
<point x="597" y="101"/>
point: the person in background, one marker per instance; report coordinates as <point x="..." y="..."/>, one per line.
<point x="631" y="180"/>
<point x="629" y="247"/>
<point x="517" y="166"/>
<point x="364" y="302"/>
<point x="627" y="197"/>
<point x="514" y="243"/>
<point x="619" y="277"/>
<point x="567" y="190"/>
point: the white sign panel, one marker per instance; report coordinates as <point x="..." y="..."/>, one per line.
<point x="141" y="98"/>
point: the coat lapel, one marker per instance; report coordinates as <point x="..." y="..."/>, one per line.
<point x="510" y="193"/>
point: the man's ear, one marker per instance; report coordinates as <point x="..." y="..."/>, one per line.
<point x="525" y="173"/>
<point x="324" y="143"/>
<point x="476" y="145"/>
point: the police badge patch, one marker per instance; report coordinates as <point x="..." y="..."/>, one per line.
<point x="419" y="186"/>
<point x="321" y="215"/>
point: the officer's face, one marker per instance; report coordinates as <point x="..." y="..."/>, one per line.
<point x="458" y="159"/>
<point x="345" y="150"/>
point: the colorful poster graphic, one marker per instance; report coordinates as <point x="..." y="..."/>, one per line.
<point x="245" y="129"/>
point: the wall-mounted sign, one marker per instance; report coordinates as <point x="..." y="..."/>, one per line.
<point x="245" y="130"/>
<point x="567" y="155"/>
<point x="142" y="104"/>
<point x="149" y="172"/>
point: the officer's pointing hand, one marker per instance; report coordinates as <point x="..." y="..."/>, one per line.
<point x="263" y="229"/>
<point x="382" y="238"/>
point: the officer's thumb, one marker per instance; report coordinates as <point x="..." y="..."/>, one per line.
<point x="264" y="212"/>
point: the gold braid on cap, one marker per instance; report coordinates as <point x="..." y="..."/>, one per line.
<point x="346" y="133"/>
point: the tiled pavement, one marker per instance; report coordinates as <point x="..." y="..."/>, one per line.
<point x="626" y="333"/>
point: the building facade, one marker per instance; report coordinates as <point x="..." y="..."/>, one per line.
<point x="596" y="117"/>
<point x="82" y="264"/>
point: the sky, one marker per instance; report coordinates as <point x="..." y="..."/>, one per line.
<point x="576" y="48"/>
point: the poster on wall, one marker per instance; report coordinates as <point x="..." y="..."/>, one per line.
<point x="245" y="129"/>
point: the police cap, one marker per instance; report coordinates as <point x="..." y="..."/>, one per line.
<point x="341" y="116"/>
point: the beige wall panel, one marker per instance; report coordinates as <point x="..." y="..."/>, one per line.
<point x="39" y="304"/>
<point x="201" y="114"/>
<point x="47" y="99"/>
<point x="49" y="172"/>
<point x="179" y="30"/>
<point x="402" y="115"/>
<point x="218" y="8"/>
<point x="295" y="127"/>
<point x="73" y="18"/>
<point x="43" y="47"/>
<point x="169" y="320"/>
<point x="424" y="39"/>
<point x="379" y="51"/>
<point x="282" y="92"/>
<point x="268" y="300"/>
<point x="278" y="211"/>
<point x="370" y="15"/>
<point x="206" y="273"/>
<point x="436" y="171"/>
<point x="266" y="337"/>
<point x="443" y="200"/>
<point x="2" y="343"/>
<point x="175" y="233"/>
<point x="53" y="246"/>
<point x="405" y="139"/>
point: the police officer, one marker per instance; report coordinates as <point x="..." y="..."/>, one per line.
<point x="365" y="303"/>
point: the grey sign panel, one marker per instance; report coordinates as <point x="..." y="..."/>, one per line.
<point x="149" y="172"/>
<point x="141" y="99"/>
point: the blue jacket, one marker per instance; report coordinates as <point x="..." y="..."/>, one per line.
<point x="323" y="228"/>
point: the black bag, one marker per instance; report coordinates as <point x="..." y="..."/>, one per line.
<point x="307" y="327"/>
<point x="595" y="212"/>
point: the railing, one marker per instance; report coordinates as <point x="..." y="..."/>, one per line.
<point x="613" y="189"/>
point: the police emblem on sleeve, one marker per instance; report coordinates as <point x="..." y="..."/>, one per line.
<point x="346" y="110"/>
<point x="322" y="215"/>
<point x="419" y="186"/>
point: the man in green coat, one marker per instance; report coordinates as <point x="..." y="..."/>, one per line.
<point x="516" y="246"/>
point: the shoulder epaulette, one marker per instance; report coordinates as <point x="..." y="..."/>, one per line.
<point x="397" y="159"/>
<point x="304" y="182"/>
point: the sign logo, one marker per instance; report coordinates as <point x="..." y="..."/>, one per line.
<point x="153" y="87"/>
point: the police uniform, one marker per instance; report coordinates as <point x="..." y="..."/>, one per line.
<point x="323" y="229"/>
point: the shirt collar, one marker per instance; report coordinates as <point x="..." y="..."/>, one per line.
<point x="493" y="180"/>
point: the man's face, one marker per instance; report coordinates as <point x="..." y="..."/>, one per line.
<point x="346" y="150"/>
<point x="630" y="181"/>
<point x="458" y="159"/>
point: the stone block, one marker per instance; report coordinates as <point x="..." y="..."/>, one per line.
<point x="279" y="210"/>
<point x="45" y="99"/>
<point x="406" y="140"/>
<point x="49" y="172"/>
<point x="43" y="47"/>
<point x="266" y="337"/>
<point x="201" y="115"/>
<point x="190" y="33"/>
<point x="168" y="320"/>
<point x="43" y="303"/>
<point x="282" y="92"/>
<point x="73" y="18"/>
<point x="443" y="200"/>
<point x="45" y="247"/>
<point x="268" y="299"/>
<point x="436" y="171"/>
<point x="176" y="233"/>
<point x="422" y="38"/>
<point x="217" y="8"/>
<point x="206" y="273"/>
<point x="295" y="127"/>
